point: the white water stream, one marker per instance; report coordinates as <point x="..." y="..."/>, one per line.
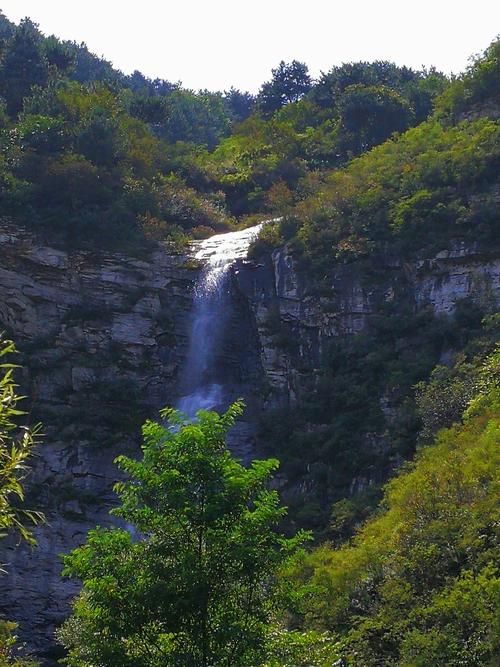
<point x="201" y="385"/>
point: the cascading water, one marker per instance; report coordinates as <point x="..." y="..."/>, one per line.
<point x="201" y="383"/>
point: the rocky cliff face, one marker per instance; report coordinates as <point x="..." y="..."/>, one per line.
<point x="295" y="320"/>
<point x="103" y="339"/>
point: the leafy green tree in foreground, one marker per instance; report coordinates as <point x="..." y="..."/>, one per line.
<point x="16" y="445"/>
<point x="191" y="581"/>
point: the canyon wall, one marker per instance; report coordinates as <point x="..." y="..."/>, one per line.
<point x="103" y="338"/>
<point x="288" y="307"/>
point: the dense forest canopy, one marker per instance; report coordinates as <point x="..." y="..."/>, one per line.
<point x="90" y="155"/>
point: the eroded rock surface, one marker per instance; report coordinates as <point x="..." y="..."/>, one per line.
<point x="295" y="319"/>
<point x="103" y="339"/>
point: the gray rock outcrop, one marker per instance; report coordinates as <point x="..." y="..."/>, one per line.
<point x="103" y="338"/>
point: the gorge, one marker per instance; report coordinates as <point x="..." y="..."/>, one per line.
<point x="325" y="250"/>
<point x="126" y="336"/>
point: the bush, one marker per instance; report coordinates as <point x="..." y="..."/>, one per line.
<point x="418" y="584"/>
<point x="268" y="239"/>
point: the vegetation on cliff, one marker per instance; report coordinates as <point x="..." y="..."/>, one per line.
<point x="413" y="195"/>
<point x="93" y="157"/>
<point x="16" y="446"/>
<point x="418" y="585"/>
<point x="433" y="188"/>
<point x="372" y="164"/>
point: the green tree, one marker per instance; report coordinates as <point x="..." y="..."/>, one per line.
<point x="6" y="28"/>
<point x="200" y="118"/>
<point x="23" y="65"/>
<point x="58" y="55"/>
<point x="289" y="83"/>
<point x="16" y="445"/>
<point x="369" y="115"/>
<point x="239" y="104"/>
<point x="191" y="582"/>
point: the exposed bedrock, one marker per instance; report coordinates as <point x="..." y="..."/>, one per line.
<point x="103" y="340"/>
<point x="288" y="307"/>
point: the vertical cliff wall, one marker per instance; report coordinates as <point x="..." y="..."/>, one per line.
<point x="103" y="341"/>
<point x="296" y="318"/>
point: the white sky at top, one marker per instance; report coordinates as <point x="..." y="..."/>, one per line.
<point x="214" y="44"/>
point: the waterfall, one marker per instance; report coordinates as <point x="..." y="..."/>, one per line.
<point x="201" y="383"/>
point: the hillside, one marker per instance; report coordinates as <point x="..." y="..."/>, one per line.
<point x="406" y="207"/>
<point x="418" y="584"/>
<point x="122" y="158"/>
<point x="361" y="331"/>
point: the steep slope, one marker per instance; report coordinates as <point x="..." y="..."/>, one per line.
<point x="418" y="585"/>
<point x="396" y="240"/>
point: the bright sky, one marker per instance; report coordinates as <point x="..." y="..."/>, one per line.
<point x="218" y="43"/>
